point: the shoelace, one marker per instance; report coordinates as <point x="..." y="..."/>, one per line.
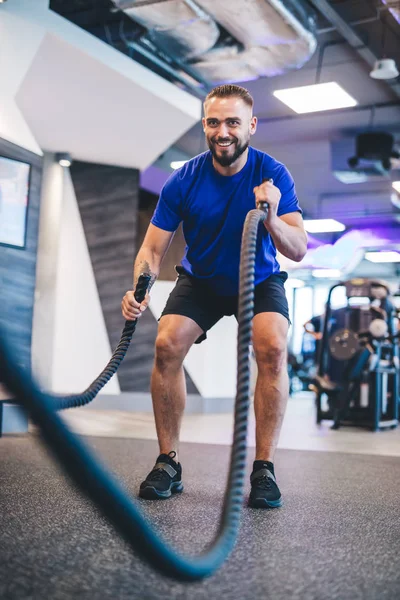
<point x="157" y="475"/>
<point x="264" y="482"/>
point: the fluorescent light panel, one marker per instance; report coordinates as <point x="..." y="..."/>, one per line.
<point x="383" y="256"/>
<point x="327" y="273"/>
<point x="350" y="176"/>
<point x="396" y="186"/>
<point x="293" y="282"/>
<point x="313" y="98"/>
<point x="323" y="225"/>
<point x="177" y="164"/>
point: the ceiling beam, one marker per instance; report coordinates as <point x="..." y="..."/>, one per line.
<point x="351" y="37"/>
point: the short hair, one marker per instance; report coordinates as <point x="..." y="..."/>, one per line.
<point x="229" y="90"/>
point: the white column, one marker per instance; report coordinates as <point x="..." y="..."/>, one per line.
<point x="70" y="345"/>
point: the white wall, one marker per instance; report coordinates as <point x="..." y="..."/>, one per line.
<point x="64" y="90"/>
<point x="16" y="55"/>
<point x="70" y="344"/>
<point x="51" y="202"/>
<point x="211" y="364"/>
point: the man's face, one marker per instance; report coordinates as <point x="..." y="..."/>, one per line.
<point x="228" y="125"/>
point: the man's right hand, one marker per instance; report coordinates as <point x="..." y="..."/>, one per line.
<point x="131" y="308"/>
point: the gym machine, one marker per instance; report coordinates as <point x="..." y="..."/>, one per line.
<point x="358" y="366"/>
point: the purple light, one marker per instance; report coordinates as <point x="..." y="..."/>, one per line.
<point x="349" y="249"/>
<point x="313" y="242"/>
<point x="153" y="179"/>
<point x="395" y="12"/>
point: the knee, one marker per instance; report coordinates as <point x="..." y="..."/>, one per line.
<point x="169" y="351"/>
<point x="271" y="355"/>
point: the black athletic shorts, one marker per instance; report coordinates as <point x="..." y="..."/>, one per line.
<point x="193" y="298"/>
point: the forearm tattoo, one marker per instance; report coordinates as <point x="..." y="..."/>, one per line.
<point x="143" y="267"/>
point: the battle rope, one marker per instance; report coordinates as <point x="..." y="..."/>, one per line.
<point x="93" y="479"/>
<point x="75" y="400"/>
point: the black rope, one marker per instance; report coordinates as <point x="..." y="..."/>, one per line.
<point x="75" y="400"/>
<point x="108" y="495"/>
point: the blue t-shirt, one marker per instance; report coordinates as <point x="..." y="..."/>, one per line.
<point x="213" y="208"/>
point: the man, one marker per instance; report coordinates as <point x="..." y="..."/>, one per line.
<point x="312" y="327"/>
<point x="212" y="194"/>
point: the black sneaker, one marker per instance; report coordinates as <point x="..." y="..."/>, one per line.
<point x="264" y="489"/>
<point x="165" y="479"/>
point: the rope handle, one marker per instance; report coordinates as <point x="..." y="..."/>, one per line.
<point x="264" y="205"/>
<point x="139" y="294"/>
<point x="141" y="286"/>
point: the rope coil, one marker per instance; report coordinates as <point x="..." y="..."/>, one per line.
<point x="105" y="491"/>
<point x="76" y="400"/>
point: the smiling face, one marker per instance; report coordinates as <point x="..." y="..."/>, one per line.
<point x="228" y="125"/>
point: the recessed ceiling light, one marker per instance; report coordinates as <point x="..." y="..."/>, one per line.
<point x="64" y="159"/>
<point x="313" y="98"/>
<point x="323" y="225"/>
<point x="389" y="256"/>
<point x="327" y="273"/>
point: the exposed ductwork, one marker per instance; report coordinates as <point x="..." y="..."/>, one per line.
<point x="178" y="27"/>
<point x="351" y="36"/>
<point x="231" y="41"/>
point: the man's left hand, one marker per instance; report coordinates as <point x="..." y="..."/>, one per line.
<point x="267" y="192"/>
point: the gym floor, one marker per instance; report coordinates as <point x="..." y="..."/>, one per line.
<point x="336" y="537"/>
<point x="299" y="431"/>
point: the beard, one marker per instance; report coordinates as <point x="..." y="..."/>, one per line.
<point x="228" y="159"/>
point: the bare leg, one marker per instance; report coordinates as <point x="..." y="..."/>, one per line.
<point x="272" y="387"/>
<point x="176" y="334"/>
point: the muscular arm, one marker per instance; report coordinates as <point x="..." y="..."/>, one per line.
<point x="148" y="260"/>
<point x="151" y="253"/>
<point x="288" y="234"/>
<point x="287" y="231"/>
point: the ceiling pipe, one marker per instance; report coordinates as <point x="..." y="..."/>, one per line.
<point x="351" y="36"/>
<point x="352" y="23"/>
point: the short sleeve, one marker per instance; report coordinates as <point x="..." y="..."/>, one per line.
<point x="288" y="202"/>
<point x="168" y="212"/>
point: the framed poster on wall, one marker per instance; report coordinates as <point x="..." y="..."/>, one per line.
<point x="14" y="198"/>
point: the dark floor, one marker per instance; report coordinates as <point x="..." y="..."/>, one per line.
<point x="337" y="537"/>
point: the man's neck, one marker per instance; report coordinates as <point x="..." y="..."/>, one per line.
<point x="234" y="167"/>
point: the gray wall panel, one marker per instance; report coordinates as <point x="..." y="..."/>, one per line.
<point x="108" y="200"/>
<point x="18" y="266"/>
